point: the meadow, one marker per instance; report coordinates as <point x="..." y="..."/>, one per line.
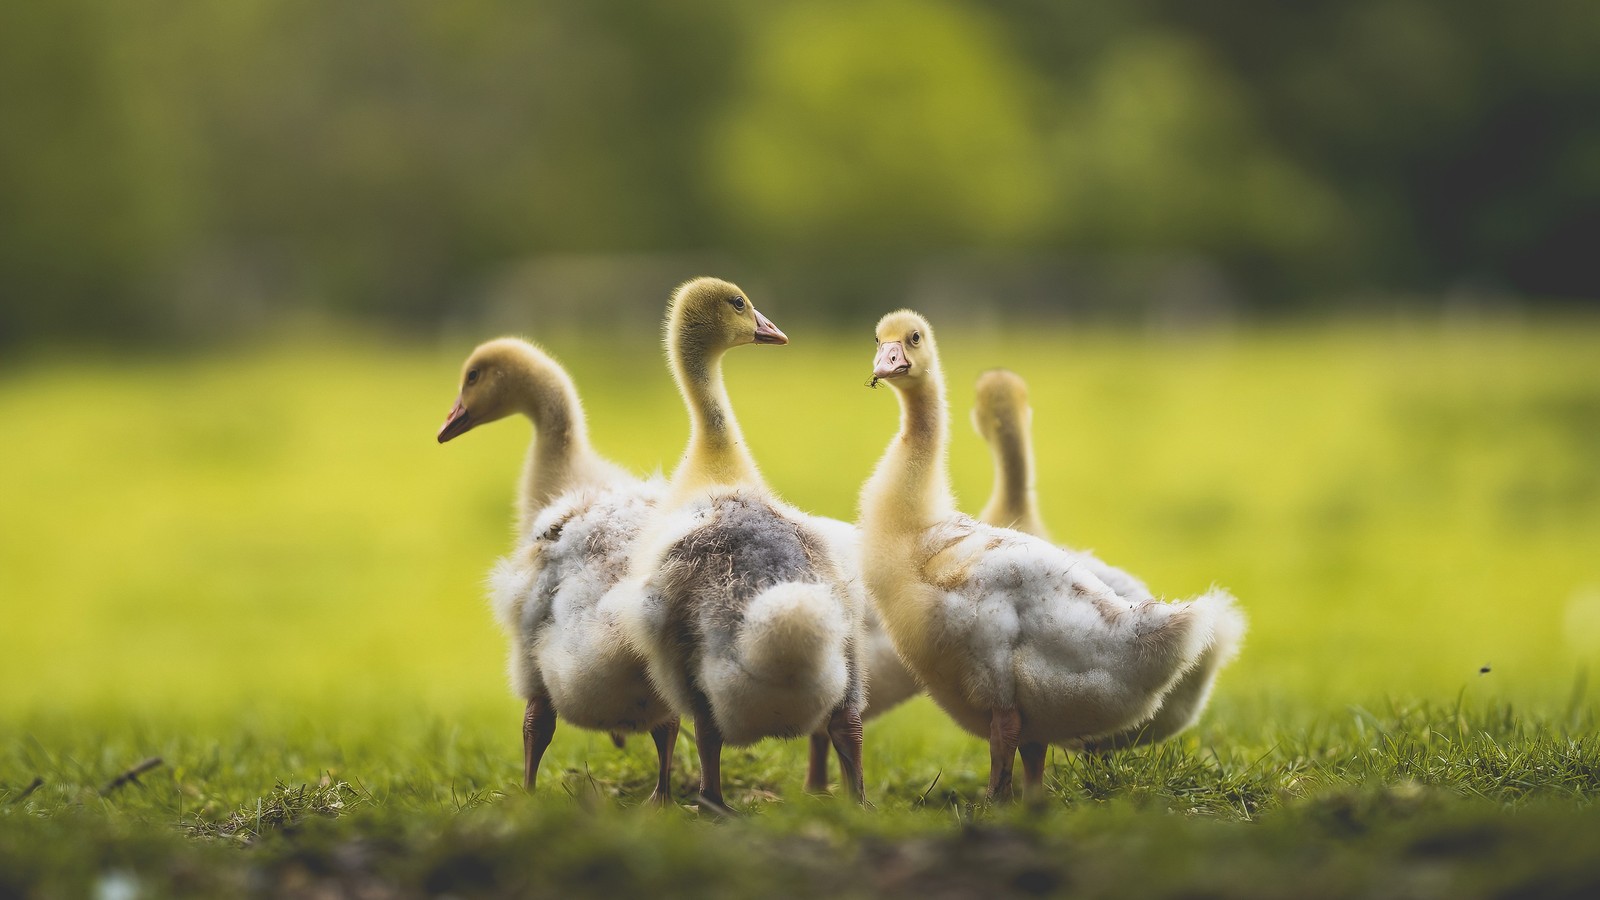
<point x="257" y="565"/>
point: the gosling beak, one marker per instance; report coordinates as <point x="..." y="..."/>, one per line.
<point x="891" y="361"/>
<point x="455" y="424"/>
<point x="766" y="332"/>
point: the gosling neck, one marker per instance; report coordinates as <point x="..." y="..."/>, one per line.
<point x="910" y="490"/>
<point x="1014" y="502"/>
<point x="716" y="454"/>
<point x="560" y="457"/>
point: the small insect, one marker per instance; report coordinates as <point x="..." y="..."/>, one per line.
<point x="1484" y="670"/>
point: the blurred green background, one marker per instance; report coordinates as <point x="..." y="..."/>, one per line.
<point x="189" y="170"/>
<point x="1305" y="293"/>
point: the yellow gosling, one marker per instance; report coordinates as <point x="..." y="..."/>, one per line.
<point x="578" y="517"/>
<point x="742" y="608"/>
<point x="1012" y="636"/>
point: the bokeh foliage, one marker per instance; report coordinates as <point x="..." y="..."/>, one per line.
<point x="205" y="166"/>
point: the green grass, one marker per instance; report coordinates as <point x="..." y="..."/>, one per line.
<point x="259" y="567"/>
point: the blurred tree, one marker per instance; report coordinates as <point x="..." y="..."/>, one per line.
<point x="880" y="125"/>
<point x="1462" y="136"/>
<point x="92" y="192"/>
<point x="1161" y="151"/>
<point x="174" y="168"/>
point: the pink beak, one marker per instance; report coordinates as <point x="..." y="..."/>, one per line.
<point x="455" y="424"/>
<point x="766" y="332"/>
<point x="891" y="361"/>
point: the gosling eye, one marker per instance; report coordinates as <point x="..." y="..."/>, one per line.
<point x="916" y="338"/>
<point x="737" y="301"/>
<point x="472" y="376"/>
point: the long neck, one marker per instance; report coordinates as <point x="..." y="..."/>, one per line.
<point x="1014" y="502"/>
<point x="910" y="489"/>
<point x="716" y="454"/>
<point x="560" y="458"/>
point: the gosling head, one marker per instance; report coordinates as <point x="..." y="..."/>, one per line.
<point x="905" y="350"/>
<point x="489" y="386"/>
<point x="714" y="315"/>
<point x="1002" y="403"/>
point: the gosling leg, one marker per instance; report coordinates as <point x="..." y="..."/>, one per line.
<point x="844" y="729"/>
<point x="1033" y="771"/>
<point x="1005" y="732"/>
<point x="538" y="728"/>
<point x="817" y="768"/>
<point x="709" y="741"/>
<point x="666" y="737"/>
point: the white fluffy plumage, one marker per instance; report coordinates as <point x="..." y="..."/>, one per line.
<point x="1016" y="622"/>
<point x="546" y="596"/>
<point x="742" y="618"/>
